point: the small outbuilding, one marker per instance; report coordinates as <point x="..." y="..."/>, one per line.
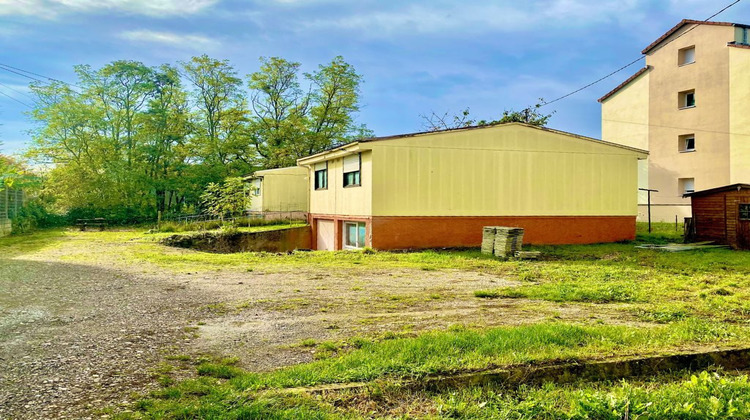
<point x="722" y="215"/>
<point x="279" y="193"/>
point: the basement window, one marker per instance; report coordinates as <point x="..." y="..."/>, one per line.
<point x="686" y="55"/>
<point x="686" y="185"/>
<point x="686" y="99"/>
<point x="354" y="235"/>
<point x="321" y="176"/>
<point x="686" y="143"/>
<point x="744" y="211"/>
<point x="352" y="170"/>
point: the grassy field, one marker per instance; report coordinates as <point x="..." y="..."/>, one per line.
<point x="656" y="302"/>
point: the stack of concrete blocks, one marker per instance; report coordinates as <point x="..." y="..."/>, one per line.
<point x="502" y="241"/>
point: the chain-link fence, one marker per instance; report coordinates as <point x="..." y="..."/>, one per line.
<point x="11" y="202"/>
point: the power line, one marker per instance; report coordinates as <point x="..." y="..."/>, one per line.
<point x="21" y="74"/>
<point x="17" y="91"/>
<point x="637" y="59"/>
<point x="35" y="74"/>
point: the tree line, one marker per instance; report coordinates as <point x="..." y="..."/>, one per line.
<point x="127" y="140"/>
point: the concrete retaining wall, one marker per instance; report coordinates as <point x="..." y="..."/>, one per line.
<point x="278" y="240"/>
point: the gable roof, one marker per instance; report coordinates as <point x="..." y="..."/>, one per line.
<point x="354" y="146"/>
<point x="625" y="83"/>
<point x="733" y="187"/>
<point x="682" y="23"/>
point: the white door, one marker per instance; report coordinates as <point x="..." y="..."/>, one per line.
<point x="325" y="235"/>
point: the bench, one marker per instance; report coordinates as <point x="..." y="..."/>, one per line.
<point x="101" y="223"/>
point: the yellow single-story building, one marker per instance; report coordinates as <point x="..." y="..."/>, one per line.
<point x="438" y="189"/>
<point x="279" y="193"/>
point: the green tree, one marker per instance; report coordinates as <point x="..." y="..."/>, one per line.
<point x="531" y="115"/>
<point x="288" y="123"/>
<point x="220" y="137"/>
<point x="226" y="198"/>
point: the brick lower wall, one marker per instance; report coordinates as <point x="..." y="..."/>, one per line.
<point x="447" y="232"/>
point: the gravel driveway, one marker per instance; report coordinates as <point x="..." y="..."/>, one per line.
<point x="74" y="339"/>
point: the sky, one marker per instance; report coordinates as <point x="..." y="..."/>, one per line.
<point x="416" y="57"/>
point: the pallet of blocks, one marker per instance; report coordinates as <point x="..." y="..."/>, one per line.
<point x="508" y="240"/>
<point x="488" y="239"/>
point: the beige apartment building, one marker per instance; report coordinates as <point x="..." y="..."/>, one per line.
<point x="690" y="108"/>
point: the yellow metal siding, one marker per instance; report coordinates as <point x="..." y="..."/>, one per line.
<point x="283" y="190"/>
<point x="739" y="115"/>
<point x="352" y="201"/>
<point x="506" y="170"/>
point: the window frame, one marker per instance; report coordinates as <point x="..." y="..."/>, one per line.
<point x="681" y="185"/>
<point x="740" y="211"/>
<point x="315" y="178"/>
<point x="358" y="172"/>
<point x="683" y="140"/>
<point x="361" y="242"/>
<point x="681" y="56"/>
<point x="682" y="99"/>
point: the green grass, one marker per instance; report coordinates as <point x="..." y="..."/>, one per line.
<point x="224" y="388"/>
<point x="29" y="242"/>
<point x="705" y="395"/>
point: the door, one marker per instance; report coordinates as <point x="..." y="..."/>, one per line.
<point x="326" y="236"/>
<point x="743" y="225"/>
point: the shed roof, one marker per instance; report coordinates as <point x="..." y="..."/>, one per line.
<point x="354" y="146"/>
<point x="733" y="187"/>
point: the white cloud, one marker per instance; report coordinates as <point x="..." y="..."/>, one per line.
<point x="183" y="41"/>
<point x="54" y="8"/>
<point x="477" y="16"/>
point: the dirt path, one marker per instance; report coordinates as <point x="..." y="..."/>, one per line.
<point x="78" y="335"/>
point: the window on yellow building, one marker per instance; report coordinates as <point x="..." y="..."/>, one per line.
<point x="686" y="99"/>
<point x="686" y="185"/>
<point x="686" y="143"/>
<point x="352" y="170"/>
<point x="321" y="176"/>
<point x="354" y="234"/>
<point x="686" y="55"/>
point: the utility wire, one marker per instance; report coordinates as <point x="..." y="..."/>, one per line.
<point x="636" y="60"/>
<point x="17" y="91"/>
<point x="17" y="100"/>
<point x="21" y="74"/>
<point x="16" y="69"/>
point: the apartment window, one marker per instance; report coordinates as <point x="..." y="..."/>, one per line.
<point x="686" y="56"/>
<point x="321" y="176"/>
<point x="744" y="211"/>
<point x="352" y="170"/>
<point x="686" y="99"/>
<point x="686" y="143"/>
<point x="354" y="234"/>
<point x="686" y="185"/>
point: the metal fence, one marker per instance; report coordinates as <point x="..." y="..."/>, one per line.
<point x="11" y="202"/>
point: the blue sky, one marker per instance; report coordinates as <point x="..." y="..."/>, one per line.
<point x="416" y="56"/>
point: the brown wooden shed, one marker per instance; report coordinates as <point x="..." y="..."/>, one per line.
<point x="723" y="215"/>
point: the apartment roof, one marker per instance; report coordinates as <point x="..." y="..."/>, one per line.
<point x="354" y="144"/>
<point x="733" y="187"/>
<point x="683" y="23"/>
<point x="625" y="83"/>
